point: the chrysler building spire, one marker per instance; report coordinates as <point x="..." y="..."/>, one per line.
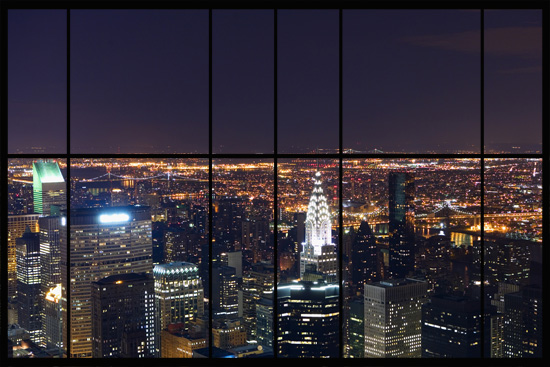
<point x="318" y="248"/>
<point x="318" y="221"/>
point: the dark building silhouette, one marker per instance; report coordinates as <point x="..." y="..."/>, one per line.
<point x="123" y="317"/>
<point x="365" y="257"/>
<point x="308" y="312"/>
<point x="451" y="327"/>
<point x="401" y="223"/>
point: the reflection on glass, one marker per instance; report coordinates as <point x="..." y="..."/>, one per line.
<point x="36" y="199"/>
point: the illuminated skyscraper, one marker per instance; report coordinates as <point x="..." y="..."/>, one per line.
<point x="401" y="224"/>
<point x="264" y="322"/>
<point x="52" y="324"/>
<point x="123" y="317"/>
<point x="104" y="242"/>
<point x="16" y="227"/>
<point x="50" y="255"/>
<point x="225" y="302"/>
<point x="308" y="313"/>
<point x="28" y="284"/>
<point x="179" y="292"/>
<point x="48" y="186"/>
<point x="318" y="248"/>
<point x="393" y="318"/>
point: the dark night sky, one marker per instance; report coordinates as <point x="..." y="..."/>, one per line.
<point x="139" y="80"/>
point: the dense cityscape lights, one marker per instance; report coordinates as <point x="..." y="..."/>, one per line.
<point x="345" y="182"/>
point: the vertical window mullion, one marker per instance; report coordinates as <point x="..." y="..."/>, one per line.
<point x="340" y="186"/>
<point x="482" y="184"/>
<point x="275" y="192"/>
<point x="68" y="192"/>
<point x="210" y="186"/>
<point x="4" y="178"/>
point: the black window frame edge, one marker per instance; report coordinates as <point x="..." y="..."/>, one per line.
<point x="341" y="156"/>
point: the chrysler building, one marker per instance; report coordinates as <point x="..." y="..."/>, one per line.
<point x="318" y="249"/>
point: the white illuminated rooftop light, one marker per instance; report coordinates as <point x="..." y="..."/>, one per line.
<point x="114" y="218"/>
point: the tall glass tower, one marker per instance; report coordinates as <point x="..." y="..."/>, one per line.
<point x="48" y="187"/>
<point x="401" y="223"/>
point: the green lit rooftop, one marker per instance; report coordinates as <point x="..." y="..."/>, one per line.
<point x="47" y="171"/>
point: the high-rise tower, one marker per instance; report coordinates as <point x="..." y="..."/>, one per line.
<point x="28" y="284"/>
<point x="318" y="248"/>
<point x="401" y="223"/>
<point x="393" y="318"/>
<point x="103" y="242"/>
<point x="123" y="316"/>
<point x="48" y="186"/>
<point x="180" y="293"/>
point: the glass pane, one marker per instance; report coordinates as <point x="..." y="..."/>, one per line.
<point x="513" y="81"/>
<point x="307" y="89"/>
<point x="308" y="308"/>
<point x="36" y="197"/>
<point x="408" y="243"/>
<point x="139" y="258"/>
<point x="242" y="256"/>
<point x="139" y="81"/>
<point x="411" y="81"/>
<point x="242" y="81"/>
<point x="37" y="81"/>
<point x="513" y="257"/>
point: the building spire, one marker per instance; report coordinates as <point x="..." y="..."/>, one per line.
<point x="318" y="220"/>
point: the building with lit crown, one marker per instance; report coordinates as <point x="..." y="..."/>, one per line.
<point x="49" y="187"/>
<point x="308" y="320"/>
<point x="180" y="293"/>
<point x="104" y="242"/>
<point x="318" y="248"/>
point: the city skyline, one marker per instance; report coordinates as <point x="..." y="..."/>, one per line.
<point x="302" y="182"/>
<point x="446" y="231"/>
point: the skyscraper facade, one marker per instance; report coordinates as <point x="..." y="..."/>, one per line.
<point x="16" y="227"/>
<point x="179" y="292"/>
<point x="49" y="188"/>
<point x="393" y="318"/>
<point x="123" y="317"/>
<point x="50" y="255"/>
<point x="104" y="242"/>
<point x="28" y="284"/>
<point x="308" y="313"/>
<point x="401" y="223"/>
<point x="451" y="327"/>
